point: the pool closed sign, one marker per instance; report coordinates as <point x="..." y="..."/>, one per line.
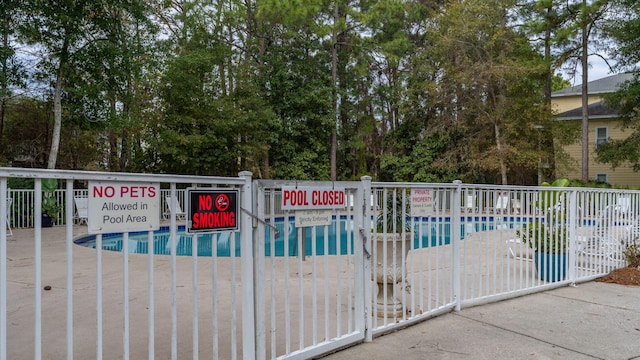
<point x="212" y="210"/>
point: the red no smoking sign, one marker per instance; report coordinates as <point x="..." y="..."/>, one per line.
<point x="212" y="210"/>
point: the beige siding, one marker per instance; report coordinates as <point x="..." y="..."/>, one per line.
<point x="623" y="175"/>
<point x="566" y="103"/>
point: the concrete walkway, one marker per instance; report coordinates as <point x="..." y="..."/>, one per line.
<point x="590" y="321"/>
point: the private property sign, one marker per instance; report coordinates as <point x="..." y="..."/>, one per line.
<point x="211" y="210"/>
<point x="422" y="202"/>
<point x="312" y="198"/>
<point x="120" y="207"/>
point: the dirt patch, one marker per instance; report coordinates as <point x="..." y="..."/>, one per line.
<point x="625" y="276"/>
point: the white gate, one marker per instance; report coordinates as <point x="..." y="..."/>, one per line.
<point x="309" y="288"/>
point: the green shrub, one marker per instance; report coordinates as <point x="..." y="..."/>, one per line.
<point x="543" y="238"/>
<point x="631" y="252"/>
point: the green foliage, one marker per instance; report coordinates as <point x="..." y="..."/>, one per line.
<point x="544" y="238"/>
<point x="631" y="252"/>
<point x="548" y="235"/>
<point x="20" y="183"/>
<point x="484" y="64"/>
<point x="559" y="83"/>
<point x="561" y="182"/>
<point x="394" y="218"/>
<point x="590" y="184"/>
<point x="418" y="159"/>
<point x="550" y="202"/>
<point x="50" y="204"/>
<point x="417" y="90"/>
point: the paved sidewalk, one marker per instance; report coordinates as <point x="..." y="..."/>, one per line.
<point x="590" y="321"/>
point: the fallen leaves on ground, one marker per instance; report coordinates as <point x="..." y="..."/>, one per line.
<point x="624" y="276"/>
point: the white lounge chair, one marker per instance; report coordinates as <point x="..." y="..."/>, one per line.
<point x="623" y="205"/>
<point x="518" y="249"/>
<point x="470" y="203"/>
<point x="502" y="203"/>
<point x="82" y="211"/>
<point x="179" y="214"/>
<point x="516" y="207"/>
<point x="607" y="237"/>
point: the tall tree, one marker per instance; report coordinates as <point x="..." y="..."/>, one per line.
<point x="11" y="73"/>
<point x="64" y="32"/>
<point x="551" y="27"/>
<point x="581" y="33"/>
<point x="569" y="33"/>
<point x="486" y="78"/>
<point x="589" y="20"/>
<point x="623" y="29"/>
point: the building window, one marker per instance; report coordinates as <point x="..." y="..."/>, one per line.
<point x="602" y="134"/>
<point x="603" y="178"/>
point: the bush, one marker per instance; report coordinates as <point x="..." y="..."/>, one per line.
<point x="543" y="238"/>
<point x="631" y="253"/>
<point x="20" y="183"/>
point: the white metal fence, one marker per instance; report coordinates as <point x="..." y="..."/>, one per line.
<point x="277" y="290"/>
<point x="104" y="304"/>
<point x="20" y="210"/>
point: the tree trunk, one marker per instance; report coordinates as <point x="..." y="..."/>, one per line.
<point x="57" y="104"/>
<point x="547" y="55"/>
<point x="334" y="78"/>
<point x="585" y="97"/>
<point x="4" y="91"/>
<point x="503" y="166"/>
<point x="57" y="120"/>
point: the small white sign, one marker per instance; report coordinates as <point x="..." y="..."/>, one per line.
<point x="312" y="198"/>
<point x="119" y="207"/>
<point x="422" y="202"/>
<point x="306" y="218"/>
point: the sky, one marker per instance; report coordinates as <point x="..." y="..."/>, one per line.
<point x="598" y="69"/>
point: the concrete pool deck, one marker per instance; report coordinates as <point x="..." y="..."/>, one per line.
<point x="590" y="321"/>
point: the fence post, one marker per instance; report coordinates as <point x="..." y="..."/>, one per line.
<point x="365" y="230"/>
<point x="3" y="269"/>
<point x="573" y="219"/>
<point x="246" y="251"/>
<point x="455" y="242"/>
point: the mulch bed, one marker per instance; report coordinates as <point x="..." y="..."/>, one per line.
<point x="625" y="276"/>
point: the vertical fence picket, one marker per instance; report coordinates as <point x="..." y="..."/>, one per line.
<point x="38" y="269"/>
<point x="151" y="296"/>
<point x="3" y="269"/>
<point x="69" y="259"/>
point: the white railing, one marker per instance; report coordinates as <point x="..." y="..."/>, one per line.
<point x="109" y="314"/>
<point x="285" y="291"/>
<point x="469" y="249"/>
<point x="20" y="211"/>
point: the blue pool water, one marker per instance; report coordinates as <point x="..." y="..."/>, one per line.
<point x="428" y="232"/>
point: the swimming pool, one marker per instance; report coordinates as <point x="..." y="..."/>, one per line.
<point x="428" y="232"/>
